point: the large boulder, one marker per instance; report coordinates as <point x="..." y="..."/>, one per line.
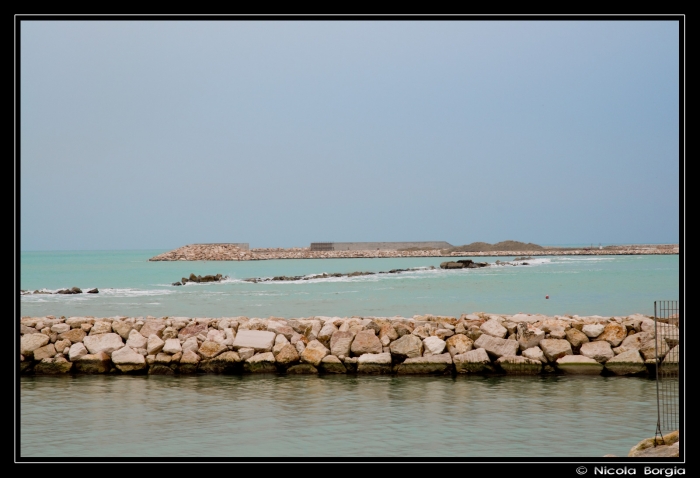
<point x="325" y="334"/>
<point x="555" y="348"/>
<point x="496" y="347"/>
<point x="534" y="353"/>
<point x="654" y="348"/>
<point x="576" y="338"/>
<point x="374" y="363"/>
<point x="459" y="344"/>
<point x="76" y="352"/>
<point x="189" y="362"/>
<point x="226" y="362"/>
<point x="122" y="328"/>
<point x="192" y="330"/>
<point x="261" y="363"/>
<point x="153" y="327"/>
<point x="433" y="346"/>
<point x="106" y="343"/>
<point x="208" y="350"/>
<point x="74" y="335"/>
<point x="387" y="334"/>
<point x="127" y="359"/>
<point x="434" y="364"/>
<point x="474" y="361"/>
<point x="190" y="344"/>
<point x="287" y="355"/>
<point x="626" y="363"/>
<point x="60" y="328"/>
<point x="30" y="342"/>
<point x="258" y="340"/>
<point x="613" y="333"/>
<point x="494" y="328"/>
<point x="93" y="363"/>
<point x="281" y="328"/>
<point x="407" y="346"/>
<point x="135" y="340"/>
<point x="154" y="345"/>
<point x="302" y="369"/>
<point x="664" y="442"/>
<point x="172" y="346"/>
<point x="600" y="351"/>
<point x="528" y="336"/>
<point x="579" y="364"/>
<point x="517" y="365"/>
<point x="332" y="364"/>
<point x="47" y="351"/>
<point x="53" y="366"/>
<point x="101" y="327"/>
<point x="314" y="353"/>
<point x="341" y="343"/>
<point x="366" y="342"/>
<point x="593" y="330"/>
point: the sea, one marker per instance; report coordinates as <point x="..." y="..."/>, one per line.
<point x="338" y="416"/>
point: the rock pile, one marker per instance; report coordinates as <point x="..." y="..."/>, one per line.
<point x="463" y="264"/>
<point x="199" y="279"/>
<point x="72" y="290"/>
<point x="327" y="275"/>
<point x="474" y="343"/>
<point x="230" y="252"/>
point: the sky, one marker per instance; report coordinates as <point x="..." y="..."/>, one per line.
<point x="157" y="134"/>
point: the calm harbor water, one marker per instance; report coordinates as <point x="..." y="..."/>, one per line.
<point x="347" y="416"/>
<point x="334" y="416"/>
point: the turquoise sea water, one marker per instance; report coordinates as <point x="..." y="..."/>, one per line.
<point x="130" y="285"/>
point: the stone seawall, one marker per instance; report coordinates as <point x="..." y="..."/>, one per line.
<point x="477" y="343"/>
<point x="229" y="252"/>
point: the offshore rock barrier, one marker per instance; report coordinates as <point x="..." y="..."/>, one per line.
<point x="327" y="275"/>
<point x="477" y="343"/>
<point x="72" y="290"/>
<point x="230" y="252"/>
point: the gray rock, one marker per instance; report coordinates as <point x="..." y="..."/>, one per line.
<point x="154" y="344"/>
<point x="74" y="335"/>
<point x="101" y="327"/>
<point x="246" y="353"/>
<point x="153" y="327"/>
<point x="600" y="351"/>
<point x="459" y="344"/>
<point x="555" y="348"/>
<point x="517" y="365"/>
<point x="169" y="333"/>
<point x="261" y="363"/>
<point x="433" y="346"/>
<point x="374" y="363"/>
<point x="579" y="364"/>
<point x="407" y="346"/>
<point x="122" y="328"/>
<point x="439" y="364"/>
<point x="135" y="340"/>
<point x="528" y="337"/>
<point x="53" y="366"/>
<point x="127" y="359"/>
<point x="93" y="363"/>
<point x="535" y="353"/>
<point x="76" y="352"/>
<point x="314" y="353"/>
<point x="30" y="342"/>
<point x="47" y="351"/>
<point x="474" y="361"/>
<point x="60" y="328"/>
<point x="494" y="329"/>
<point x="496" y="347"/>
<point x="258" y="340"/>
<point x="172" y="346"/>
<point x="106" y="343"/>
<point x="366" y="342"/>
<point x="593" y="330"/>
<point x="332" y="364"/>
<point x="209" y="350"/>
<point x="626" y="363"/>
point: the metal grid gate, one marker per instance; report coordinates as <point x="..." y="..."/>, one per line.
<point x="667" y="344"/>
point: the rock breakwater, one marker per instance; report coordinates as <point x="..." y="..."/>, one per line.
<point x="230" y="252"/>
<point x="476" y="343"/>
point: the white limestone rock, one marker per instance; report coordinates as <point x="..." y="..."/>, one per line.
<point x="77" y="351"/>
<point x="136" y="340"/>
<point x="106" y="343"/>
<point x="154" y="344"/>
<point x="259" y="340"/>
<point x="593" y="330"/>
<point x="433" y="346"/>
<point x="172" y="346"/>
<point x="494" y="328"/>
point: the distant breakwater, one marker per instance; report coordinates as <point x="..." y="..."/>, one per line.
<point x="477" y="343"/>
<point x="231" y="252"/>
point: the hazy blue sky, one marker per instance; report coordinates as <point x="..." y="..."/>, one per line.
<point x="139" y="135"/>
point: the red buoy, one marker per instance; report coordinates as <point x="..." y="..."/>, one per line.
<point x="546" y="297"/>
